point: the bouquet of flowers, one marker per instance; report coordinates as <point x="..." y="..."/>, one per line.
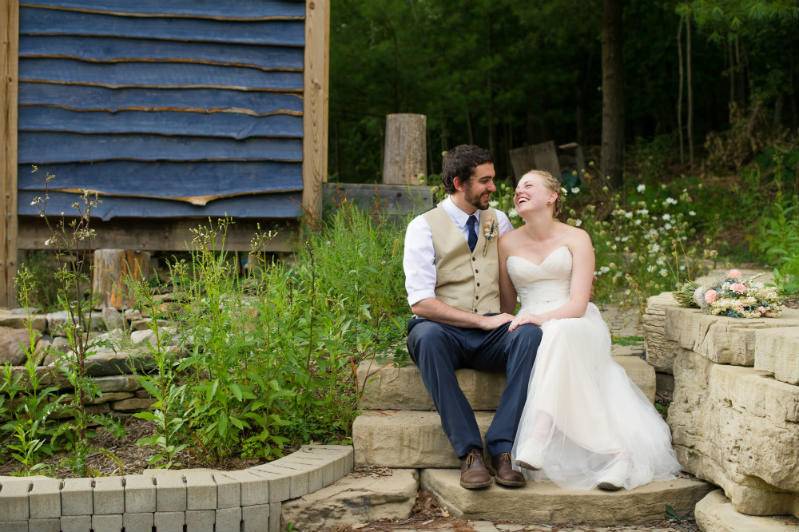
<point x="732" y="296"/>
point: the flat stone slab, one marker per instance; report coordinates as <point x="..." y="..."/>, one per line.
<point x="721" y="339"/>
<point x="357" y="498"/>
<point x="659" y="349"/>
<point x="715" y="513"/>
<point x="777" y="351"/>
<point x="387" y="387"/>
<point x="405" y="439"/>
<point x="544" y="502"/>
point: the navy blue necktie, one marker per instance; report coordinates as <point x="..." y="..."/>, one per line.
<point x="471" y="228"/>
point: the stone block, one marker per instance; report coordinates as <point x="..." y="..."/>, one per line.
<point x="47" y="524"/>
<point x="738" y="428"/>
<point x="354" y="500"/>
<point x="117" y="383"/>
<point x="715" y="513"/>
<point x="405" y="439"/>
<point x="544" y="502"/>
<point x="274" y="517"/>
<point x="201" y="489"/>
<point x="169" y="521"/>
<point x="314" y="465"/>
<point x="107" y="397"/>
<point x="18" y="319"/>
<point x="170" y="490"/>
<point x="140" y="494"/>
<point x="14" y="498"/>
<point x="228" y="490"/>
<point x="228" y="518"/>
<point x="107" y="523"/>
<point x="200" y="520"/>
<point x="296" y="473"/>
<point x="133" y="404"/>
<point x="254" y="488"/>
<point x="76" y="523"/>
<point x="13" y="526"/>
<point x="255" y="518"/>
<point x="659" y="349"/>
<point x="109" y="496"/>
<point x="138" y="522"/>
<point x="777" y="351"/>
<point x="279" y="481"/>
<point x="387" y="387"/>
<point x="45" y="498"/>
<point x="401" y="388"/>
<point x="718" y="338"/>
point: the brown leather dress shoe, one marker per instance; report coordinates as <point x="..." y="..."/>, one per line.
<point x="474" y="473"/>
<point x="504" y="473"/>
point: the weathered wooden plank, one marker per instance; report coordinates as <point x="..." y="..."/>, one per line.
<point x="213" y="9"/>
<point x="167" y="180"/>
<point x="315" y="117"/>
<point x="160" y="75"/>
<point x="271" y="206"/>
<point x="46" y="148"/>
<point x="160" y="234"/>
<point x="97" y="49"/>
<point x="9" y="52"/>
<point x="81" y="98"/>
<point x="274" y="32"/>
<point x="222" y="125"/>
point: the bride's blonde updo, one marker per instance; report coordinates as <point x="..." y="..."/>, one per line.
<point x="552" y="184"/>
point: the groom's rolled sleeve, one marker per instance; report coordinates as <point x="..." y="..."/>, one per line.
<point x="418" y="261"/>
<point x="504" y="222"/>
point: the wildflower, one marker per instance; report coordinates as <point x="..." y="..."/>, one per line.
<point x="664" y="272"/>
<point x="628" y="214"/>
<point x="711" y="296"/>
<point x="738" y="288"/>
<point x="691" y="213"/>
<point x="512" y="213"/>
<point x="575" y="190"/>
<point x="641" y="187"/>
<point x="666" y="216"/>
<point x="493" y="203"/>
<point x="734" y="274"/>
<point x="578" y="222"/>
<point x="670" y="201"/>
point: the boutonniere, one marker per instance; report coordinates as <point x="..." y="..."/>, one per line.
<point x="490" y="230"/>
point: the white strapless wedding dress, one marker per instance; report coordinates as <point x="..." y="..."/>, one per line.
<point x="584" y="420"/>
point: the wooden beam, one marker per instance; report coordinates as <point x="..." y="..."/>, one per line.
<point x="9" y="71"/>
<point x="160" y="235"/>
<point x="315" y="112"/>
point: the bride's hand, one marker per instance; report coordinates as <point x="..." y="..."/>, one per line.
<point x="489" y="323"/>
<point x="521" y="319"/>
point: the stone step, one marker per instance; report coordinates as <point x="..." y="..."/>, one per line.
<point x="715" y="513"/>
<point x="405" y="439"/>
<point x="546" y="503"/>
<point x="388" y="387"/>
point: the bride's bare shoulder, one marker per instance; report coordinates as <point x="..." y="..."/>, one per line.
<point x="510" y="238"/>
<point x="574" y="236"/>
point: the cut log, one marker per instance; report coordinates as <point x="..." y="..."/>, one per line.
<point x="111" y="269"/>
<point x="536" y="157"/>
<point x="405" y="157"/>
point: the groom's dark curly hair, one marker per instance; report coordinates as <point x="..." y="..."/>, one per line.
<point x="460" y="162"/>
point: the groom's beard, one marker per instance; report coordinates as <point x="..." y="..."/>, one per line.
<point x="478" y="201"/>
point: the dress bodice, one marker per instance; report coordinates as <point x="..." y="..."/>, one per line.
<point x="544" y="286"/>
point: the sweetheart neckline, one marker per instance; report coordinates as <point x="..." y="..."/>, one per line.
<point x="539" y="264"/>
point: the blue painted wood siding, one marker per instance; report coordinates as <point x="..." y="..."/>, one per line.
<point x="178" y="109"/>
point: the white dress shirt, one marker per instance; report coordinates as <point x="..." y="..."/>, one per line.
<point x="419" y="259"/>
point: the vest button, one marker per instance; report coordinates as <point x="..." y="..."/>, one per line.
<point x="477" y="297"/>
<point x="478" y="284"/>
<point x="474" y="310"/>
<point x="474" y="259"/>
<point x="476" y="271"/>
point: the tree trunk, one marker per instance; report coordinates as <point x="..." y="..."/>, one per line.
<point x="680" y="85"/>
<point x="405" y="149"/>
<point x="612" y="156"/>
<point x="689" y="68"/>
<point x="111" y="269"/>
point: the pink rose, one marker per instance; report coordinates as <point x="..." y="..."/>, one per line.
<point x="711" y="296"/>
<point x="738" y="288"/>
<point x="734" y="274"/>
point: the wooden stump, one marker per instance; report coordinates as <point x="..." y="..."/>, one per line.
<point x="536" y="157"/>
<point x="111" y="268"/>
<point x="405" y="157"/>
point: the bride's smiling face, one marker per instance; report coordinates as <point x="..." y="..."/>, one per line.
<point x="532" y="194"/>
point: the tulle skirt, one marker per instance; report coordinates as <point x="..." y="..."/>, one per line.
<point x="584" y="416"/>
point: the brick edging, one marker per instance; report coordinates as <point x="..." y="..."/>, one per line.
<point x="165" y="500"/>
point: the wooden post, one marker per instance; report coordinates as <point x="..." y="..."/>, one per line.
<point x="111" y="268"/>
<point x="315" y="108"/>
<point x="9" y="52"/>
<point x="405" y="150"/>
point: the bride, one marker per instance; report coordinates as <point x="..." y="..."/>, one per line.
<point x="584" y="424"/>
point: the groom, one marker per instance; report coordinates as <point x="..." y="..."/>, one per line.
<point x="452" y="279"/>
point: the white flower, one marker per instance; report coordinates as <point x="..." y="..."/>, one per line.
<point x="578" y="222"/>
<point x="667" y="216"/>
<point x="575" y="190"/>
<point x="628" y="214"/>
<point x="664" y="272"/>
<point x="691" y="213"/>
<point x="641" y="187"/>
<point x="667" y="226"/>
<point x="670" y="201"/>
<point x="512" y="213"/>
<point x="493" y="203"/>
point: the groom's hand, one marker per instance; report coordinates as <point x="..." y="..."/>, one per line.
<point x="524" y="318"/>
<point x="489" y="323"/>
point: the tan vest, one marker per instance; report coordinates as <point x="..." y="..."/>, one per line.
<point x="466" y="280"/>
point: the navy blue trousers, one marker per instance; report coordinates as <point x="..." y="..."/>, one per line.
<point x="439" y="349"/>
